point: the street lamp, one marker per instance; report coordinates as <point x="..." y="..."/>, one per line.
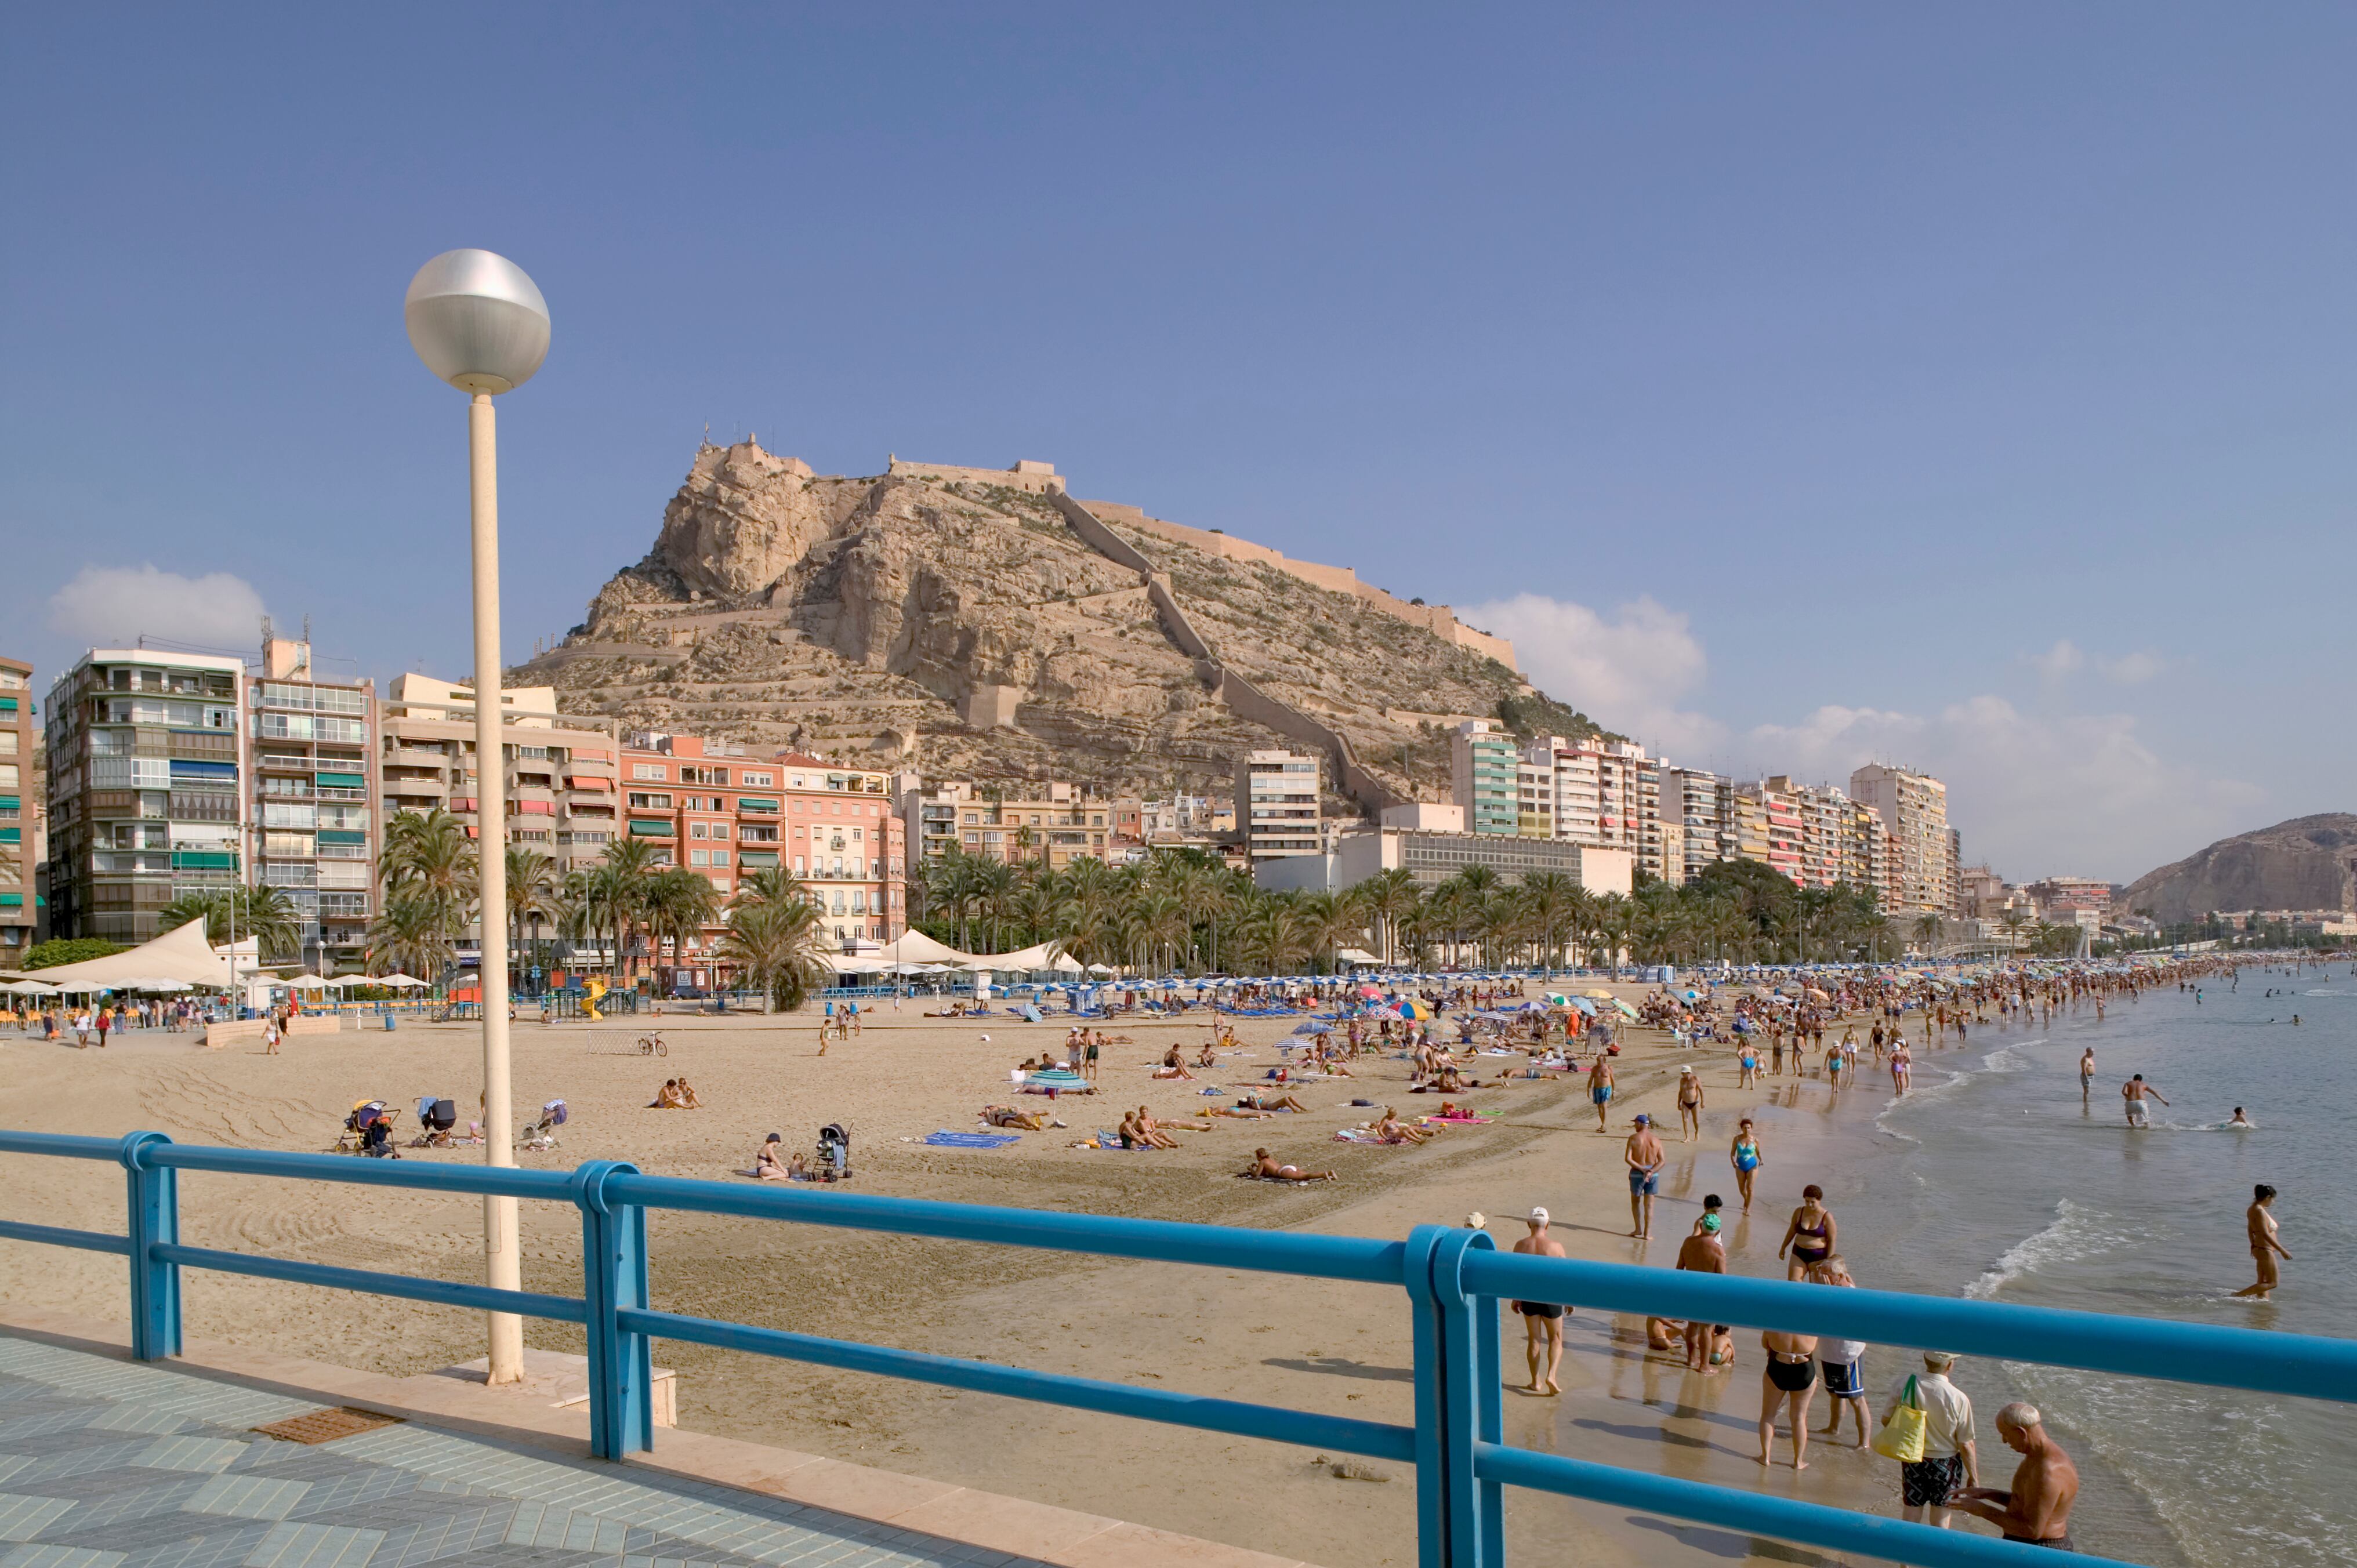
<point x="480" y="324"/>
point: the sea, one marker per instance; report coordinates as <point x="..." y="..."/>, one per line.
<point x="1993" y="1180"/>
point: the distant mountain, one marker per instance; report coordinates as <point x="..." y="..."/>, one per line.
<point x="2308" y="863"/>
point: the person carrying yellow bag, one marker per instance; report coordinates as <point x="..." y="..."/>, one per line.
<point x="1931" y="1417"/>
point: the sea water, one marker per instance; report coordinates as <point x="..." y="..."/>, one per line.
<point x="1992" y="1180"/>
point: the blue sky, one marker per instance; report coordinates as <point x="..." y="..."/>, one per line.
<point x="1969" y="389"/>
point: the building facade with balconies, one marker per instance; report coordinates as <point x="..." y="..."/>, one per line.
<point x="146" y="768"/>
<point x="21" y="846"/>
<point x="310" y="827"/>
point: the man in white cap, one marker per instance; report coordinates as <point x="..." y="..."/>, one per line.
<point x="1542" y="1320"/>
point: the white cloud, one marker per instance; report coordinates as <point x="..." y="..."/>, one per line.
<point x="2035" y="795"/>
<point x="2062" y="658"/>
<point x="114" y="605"/>
<point x="1626" y="673"/>
<point x="2132" y="669"/>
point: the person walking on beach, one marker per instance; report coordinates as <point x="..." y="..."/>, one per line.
<point x="1950" y="1459"/>
<point x="1542" y="1320"/>
<point x="1642" y="1154"/>
<point x="1600" y="1088"/>
<point x="1689" y="1105"/>
<point x="2036" y="1509"/>
<point x="2136" y="1091"/>
<point x="1810" y="1236"/>
<point x="1843" y="1360"/>
<point x="1744" y="1154"/>
<point x="2265" y="1247"/>
<point x="1788" y="1378"/>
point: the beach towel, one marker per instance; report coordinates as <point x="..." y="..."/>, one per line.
<point x="945" y="1139"/>
<point x="1450" y="1121"/>
<point x="1356" y="1135"/>
<point x="1030" y="1014"/>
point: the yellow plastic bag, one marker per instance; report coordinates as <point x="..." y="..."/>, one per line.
<point x="1901" y="1437"/>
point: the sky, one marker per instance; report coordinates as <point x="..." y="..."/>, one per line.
<point x="1969" y="389"/>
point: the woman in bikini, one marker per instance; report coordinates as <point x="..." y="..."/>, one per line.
<point x="1265" y="1167"/>
<point x="1744" y="1154"/>
<point x="1689" y="1104"/>
<point x="1790" y="1379"/>
<point x="1810" y="1236"/>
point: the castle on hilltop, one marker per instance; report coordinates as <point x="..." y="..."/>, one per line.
<point x="1040" y="478"/>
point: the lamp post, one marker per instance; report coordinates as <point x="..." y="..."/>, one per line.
<point x="480" y="325"/>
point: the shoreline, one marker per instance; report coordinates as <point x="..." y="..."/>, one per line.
<point x="1307" y="1344"/>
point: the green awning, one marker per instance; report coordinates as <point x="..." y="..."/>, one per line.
<point x="343" y="781"/>
<point x="654" y="830"/>
<point x="754" y="859"/>
<point x="341" y="836"/>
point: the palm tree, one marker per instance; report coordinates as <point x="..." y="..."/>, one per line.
<point x="770" y="884"/>
<point x="411" y="934"/>
<point x="680" y="903"/>
<point x="629" y="864"/>
<point x="1546" y="897"/>
<point x="532" y="896"/>
<point x="264" y="914"/>
<point x="1928" y="930"/>
<point x="1388" y="898"/>
<point x="774" y="944"/>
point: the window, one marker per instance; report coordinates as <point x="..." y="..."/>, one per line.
<point x="720" y="830"/>
<point x="720" y="857"/>
<point x="698" y="831"/>
<point x="699" y="857"/>
<point x="756" y="780"/>
<point x="648" y="770"/>
<point x="651" y="802"/>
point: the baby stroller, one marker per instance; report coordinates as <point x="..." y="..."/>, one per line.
<point x="542" y="1135"/>
<point x="434" y="1119"/>
<point x="368" y="1130"/>
<point x="833" y="1159"/>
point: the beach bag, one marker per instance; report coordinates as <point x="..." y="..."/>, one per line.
<point x="1901" y="1437"/>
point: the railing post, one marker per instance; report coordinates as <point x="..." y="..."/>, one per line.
<point x="1431" y="1470"/>
<point x="614" y="1276"/>
<point x="1458" y="1518"/>
<point x="153" y="1203"/>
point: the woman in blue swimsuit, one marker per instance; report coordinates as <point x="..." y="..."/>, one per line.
<point x="1745" y="1156"/>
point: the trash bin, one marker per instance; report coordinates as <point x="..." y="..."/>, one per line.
<point x="388" y="1022"/>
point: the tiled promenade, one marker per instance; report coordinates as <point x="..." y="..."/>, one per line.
<point x="111" y="1464"/>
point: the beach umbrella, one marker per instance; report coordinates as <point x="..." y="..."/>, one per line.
<point x="30" y="988"/>
<point x="1598" y="996"/>
<point x="1414" y="1009"/>
<point x="1584" y="1005"/>
<point x="1371" y="990"/>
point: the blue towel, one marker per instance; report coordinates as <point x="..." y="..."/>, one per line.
<point x="945" y="1139"/>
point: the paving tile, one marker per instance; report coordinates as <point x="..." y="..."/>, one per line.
<point x="247" y="1496"/>
<point x="217" y="1548"/>
<point x="315" y="1546"/>
<point x="60" y="1557"/>
<point x="205" y="1453"/>
<point x="23" y="1517"/>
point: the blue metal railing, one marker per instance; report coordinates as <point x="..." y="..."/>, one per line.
<point x="1454" y="1280"/>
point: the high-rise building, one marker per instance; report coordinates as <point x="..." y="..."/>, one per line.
<point x="556" y="779"/>
<point x="1483" y="774"/>
<point x="1277" y="802"/>
<point x="21" y="849"/>
<point x="1702" y="804"/>
<point x="311" y="831"/>
<point x="1605" y="793"/>
<point x="145" y="800"/>
<point x="1914" y="811"/>
<point x="1771" y="825"/>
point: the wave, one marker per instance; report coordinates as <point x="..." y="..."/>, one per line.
<point x="2078" y="1232"/>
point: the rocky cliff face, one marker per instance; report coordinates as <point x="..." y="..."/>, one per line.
<point x="965" y="628"/>
<point x="2308" y="863"/>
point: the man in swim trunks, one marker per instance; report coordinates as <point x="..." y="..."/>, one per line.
<point x="1703" y="1254"/>
<point x="1600" y="1088"/>
<point x="2086" y="1073"/>
<point x="1541" y="1321"/>
<point x="2036" y="1509"/>
<point x="2136" y="1091"/>
<point x="1643" y="1155"/>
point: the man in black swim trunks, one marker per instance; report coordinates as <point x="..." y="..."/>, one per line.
<point x="2036" y="1509"/>
<point x="1542" y="1320"/>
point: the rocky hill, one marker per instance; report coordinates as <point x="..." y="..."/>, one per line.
<point x="959" y="620"/>
<point x="2308" y="863"/>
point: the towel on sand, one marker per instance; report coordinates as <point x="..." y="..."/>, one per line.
<point x="945" y="1139"/>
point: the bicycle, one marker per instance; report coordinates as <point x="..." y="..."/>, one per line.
<point x="652" y="1046"/>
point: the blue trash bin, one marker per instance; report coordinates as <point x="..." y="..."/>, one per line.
<point x="388" y="1022"/>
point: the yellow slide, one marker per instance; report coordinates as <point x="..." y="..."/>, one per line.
<point x="592" y="989"/>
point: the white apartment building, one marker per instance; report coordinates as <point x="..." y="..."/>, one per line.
<point x="1277" y="804"/>
<point x="1913" y="808"/>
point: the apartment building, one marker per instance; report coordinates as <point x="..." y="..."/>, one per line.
<point x="145" y="772"/>
<point x="1483" y="776"/>
<point x="2060" y="898"/>
<point x="1183" y="819"/>
<point x="1433" y="857"/>
<point x="1770" y="823"/>
<point x="311" y="831"/>
<point x="1018" y="821"/>
<point x="555" y="777"/>
<point x="726" y="814"/>
<point x="1702" y="805"/>
<point x="21" y="849"/>
<point x="1914" y="811"/>
<point x="1865" y="850"/>
<point x="1277" y="804"/>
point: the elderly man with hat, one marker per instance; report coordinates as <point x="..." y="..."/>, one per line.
<point x="1541" y="1321"/>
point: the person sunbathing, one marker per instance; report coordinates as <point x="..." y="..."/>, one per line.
<point x="1207" y="1057"/>
<point x="767" y="1165"/>
<point x="1172" y="1067"/>
<point x="1007" y="1116"/>
<point x="667" y="1098"/>
<point x="1151" y="1130"/>
<point x="1239" y="1115"/>
<point x="688" y="1099"/>
<point x="1270" y="1102"/>
<point x="1265" y="1168"/>
<point x="1392" y="1130"/>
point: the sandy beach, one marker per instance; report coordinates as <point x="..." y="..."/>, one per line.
<point x="1306" y="1344"/>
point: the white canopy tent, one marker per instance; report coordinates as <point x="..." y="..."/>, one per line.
<point x="396" y="980"/>
<point x="181" y="954"/>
